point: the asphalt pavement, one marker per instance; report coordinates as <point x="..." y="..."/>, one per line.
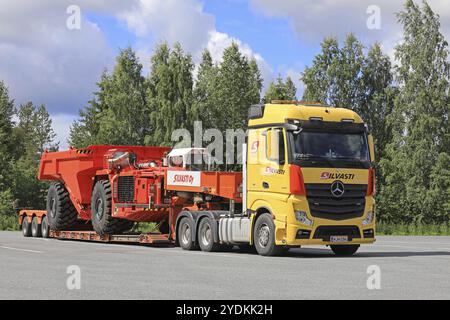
<point x="397" y="267"/>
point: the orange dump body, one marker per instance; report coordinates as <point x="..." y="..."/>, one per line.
<point x="78" y="168"/>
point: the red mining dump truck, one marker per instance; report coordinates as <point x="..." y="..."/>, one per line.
<point x="99" y="193"/>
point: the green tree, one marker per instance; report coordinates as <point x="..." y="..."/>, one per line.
<point x="170" y="93"/>
<point x="6" y="148"/>
<point x="416" y="166"/>
<point x="350" y="78"/>
<point x="377" y="98"/>
<point x="320" y="79"/>
<point x="336" y="74"/>
<point x="33" y="135"/>
<point x="203" y="107"/>
<point x="34" y="132"/>
<point x="238" y="86"/>
<point x="118" y="114"/>
<point x="281" y="90"/>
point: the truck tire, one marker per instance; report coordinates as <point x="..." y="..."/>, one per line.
<point x="264" y="236"/>
<point x="26" y="227"/>
<point x="206" y="236"/>
<point x="45" y="228"/>
<point x="345" y="250"/>
<point x="184" y="235"/>
<point x="101" y="217"/>
<point x="61" y="212"/>
<point x="35" y="228"/>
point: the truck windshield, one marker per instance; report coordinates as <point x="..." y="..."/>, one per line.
<point x="330" y="146"/>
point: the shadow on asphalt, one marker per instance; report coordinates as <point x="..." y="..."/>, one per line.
<point x="327" y="253"/>
<point x="297" y="252"/>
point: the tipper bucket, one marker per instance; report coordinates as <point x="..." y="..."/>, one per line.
<point x="76" y="168"/>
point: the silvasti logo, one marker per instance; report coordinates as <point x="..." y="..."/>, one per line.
<point x="270" y="170"/>
<point x="183" y="178"/>
<point x="337" y="176"/>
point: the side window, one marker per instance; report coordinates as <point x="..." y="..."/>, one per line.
<point x="275" y="146"/>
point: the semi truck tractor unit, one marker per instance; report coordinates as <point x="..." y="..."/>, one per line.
<point x="307" y="179"/>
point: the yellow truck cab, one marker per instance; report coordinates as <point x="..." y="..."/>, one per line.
<point x="309" y="178"/>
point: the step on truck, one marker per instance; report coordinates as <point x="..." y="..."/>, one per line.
<point x="307" y="179"/>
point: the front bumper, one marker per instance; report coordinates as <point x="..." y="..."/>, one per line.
<point x="320" y="235"/>
<point x="297" y="234"/>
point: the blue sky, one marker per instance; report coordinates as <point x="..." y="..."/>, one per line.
<point x="272" y="37"/>
<point x="44" y="61"/>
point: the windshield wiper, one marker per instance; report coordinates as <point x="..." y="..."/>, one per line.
<point x="360" y="161"/>
<point x="314" y="158"/>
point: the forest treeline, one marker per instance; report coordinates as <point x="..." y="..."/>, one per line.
<point x="405" y="103"/>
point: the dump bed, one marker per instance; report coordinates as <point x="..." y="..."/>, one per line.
<point x="76" y="168"/>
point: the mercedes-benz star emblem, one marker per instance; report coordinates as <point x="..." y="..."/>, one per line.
<point x="337" y="189"/>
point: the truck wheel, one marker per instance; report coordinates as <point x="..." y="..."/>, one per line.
<point x="26" y="227"/>
<point x="185" y="235"/>
<point x="345" y="250"/>
<point x="45" y="229"/>
<point x="206" y="236"/>
<point x="102" y="221"/>
<point x="61" y="212"/>
<point x="35" y="228"/>
<point x="264" y="236"/>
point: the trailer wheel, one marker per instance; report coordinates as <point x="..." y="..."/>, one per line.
<point x="35" y="228"/>
<point x="26" y="227"/>
<point x="45" y="229"/>
<point x="345" y="250"/>
<point x="264" y="236"/>
<point x="102" y="220"/>
<point x="206" y="236"/>
<point x="61" y="212"/>
<point x="184" y="235"/>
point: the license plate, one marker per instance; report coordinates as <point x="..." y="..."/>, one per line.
<point x="338" y="238"/>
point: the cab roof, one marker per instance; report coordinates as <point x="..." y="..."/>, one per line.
<point x="281" y="112"/>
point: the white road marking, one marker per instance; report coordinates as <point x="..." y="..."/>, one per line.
<point x="415" y="242"/>
<point x="41" y="239"/>
<point x="19" y="249"/>
<point x="418" y="249"/>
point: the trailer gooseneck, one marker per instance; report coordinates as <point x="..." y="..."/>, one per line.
<point x="307" y="180"/>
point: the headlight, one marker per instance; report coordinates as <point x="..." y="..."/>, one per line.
<point x="369" y="218"/>
<point x="303" y="218"/>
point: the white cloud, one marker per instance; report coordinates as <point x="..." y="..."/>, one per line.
<point x="61" y="124"/>
<point x="170" y="20"/>
<point x="313" y="20"/>
<point x="43" y="61"/>
<point x="219" y="41"/>
<point x="185" y="22"/>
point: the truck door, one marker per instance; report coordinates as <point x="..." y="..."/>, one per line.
<point x="267" y="161"/>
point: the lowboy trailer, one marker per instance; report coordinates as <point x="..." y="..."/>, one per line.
<point x="307" y="179"/>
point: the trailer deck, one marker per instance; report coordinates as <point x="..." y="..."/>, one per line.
<point x="144" y="238"/>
